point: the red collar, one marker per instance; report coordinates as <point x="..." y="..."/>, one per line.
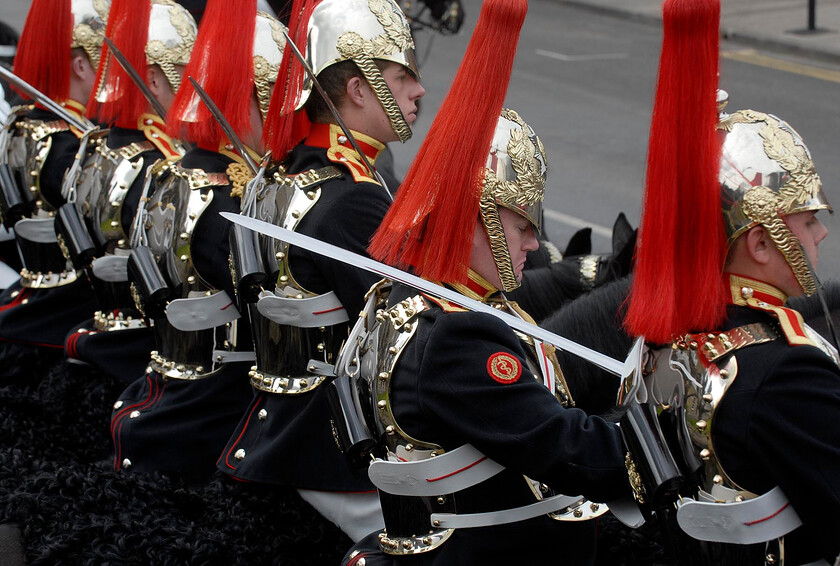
<point x="154" y="129"/>
<point x="741" y="288"/>
<point x="329" y="136"/>
<point x="476" y="287"/>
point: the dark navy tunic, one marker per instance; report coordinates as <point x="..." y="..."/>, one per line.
<point x="294" y="445"/>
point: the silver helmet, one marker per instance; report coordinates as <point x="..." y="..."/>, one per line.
<point x="766" y="173"/>
<point x="89" y="21"/>
<point x="514" y="177"/>
<point x="172" y="32"/>
<point x="361" y="31"/>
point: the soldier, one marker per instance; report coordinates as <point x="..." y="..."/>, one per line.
<point x="286" y="435"/>
<point x="177" y="417"/>
<point x="117" y="340"/>
<point x="754" y="392"/>
<point x="58" y="54"/>
<point x="437" y="382"/>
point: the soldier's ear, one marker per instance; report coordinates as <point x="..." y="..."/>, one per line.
<point x="81" y="66"/>
<point x="355" y="92"/>
<point x="156" y="80"/>
<point x="758" y="246"/>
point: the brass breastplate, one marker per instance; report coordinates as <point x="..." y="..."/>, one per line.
<point x="694" y="375"/>
<point x="283" y="351"/>
<point x="103" y="185"/>
<point x="28" y="149"/>
<point x="177" y="202"/>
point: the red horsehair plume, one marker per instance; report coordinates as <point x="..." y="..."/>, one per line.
<point x="117" y="100"/>
<point x="281" y="133"/>
<point x="42" y="57"/>
<point x="223" y="64"/>
<point x="678" y="285"/>
<point x="431" y="223"/>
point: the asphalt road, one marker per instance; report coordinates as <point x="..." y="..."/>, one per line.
<point x="585" y="82"/>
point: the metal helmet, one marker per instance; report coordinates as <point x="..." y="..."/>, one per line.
<point x="269" y="44"/>
<point x="228" y="79"/>
<point x="514" y="177"/>
<point x="766" y="173"/>
<point x="172" y="32"/>
<point x="89" y="22"/>
<point x="361" y="31"/>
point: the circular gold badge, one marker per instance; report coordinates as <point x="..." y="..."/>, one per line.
<point x="504" y="367"/>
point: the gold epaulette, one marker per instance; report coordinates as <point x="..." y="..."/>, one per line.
<point x="198" y="178"/>
<point x="447" y="306"/>
<point x="38" y="129"/>
<point x="790" y="321"/>
<point x="155" y="134"/>
<point x="405" y="310"/>
<point x="313" y="177"/>
<point x="134" y="149"/>
<point x="715" y="345"/>
<point x="350" y="159"/>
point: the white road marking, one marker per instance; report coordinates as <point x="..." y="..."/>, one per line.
<point x="577" y="222"/>
<point x="572" y="58"/>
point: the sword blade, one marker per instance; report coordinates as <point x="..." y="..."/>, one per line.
<point x="135" y="78"/>
<point x="42" y="99"/>
<point x="226" y="127"/>
<point x="334" y="252"/>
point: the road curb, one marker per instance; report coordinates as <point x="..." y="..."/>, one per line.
<point x="746" y="38"/>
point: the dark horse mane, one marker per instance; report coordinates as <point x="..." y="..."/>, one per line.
<point x="594" y="320"/>
<point x="812" y="311"/>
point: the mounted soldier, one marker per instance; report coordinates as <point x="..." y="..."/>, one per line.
<point x="177" y="417"/>
<point x="58" y="54"/>
<point x="747" y="395"/>
<point x="362" y="53"/>
<point x="111" y="180"/>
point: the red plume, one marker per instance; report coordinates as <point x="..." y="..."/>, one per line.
<point x="43" y="53"/>
<point x="118" y="100"/>
<point x="284" y="128"/>
<point x="431" y="223"/>
<point x="678" y="285"/>
<point x="223" y="64"/>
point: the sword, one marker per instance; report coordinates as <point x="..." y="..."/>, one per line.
<point x="226" y="127"/>
<point x="622" y="369"/>
<point x="45" y="101"/>
<point x="336" y="115"/>
<point x="135" y="78"/>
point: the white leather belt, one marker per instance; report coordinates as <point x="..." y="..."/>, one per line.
<point x="454" y="471"/>
<point x="450" y="472"/>
<point x="505" y="516"/>
<point x="760" y="519"/>
<point x="312" y="312"/>
<point x="201" y="313"/>
<point x="111" y="268"/>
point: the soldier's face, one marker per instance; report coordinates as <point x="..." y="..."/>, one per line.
<point x="159" y="84"/>
<point x="520" y="237"/>
<point x="810" y="232"/>
<point x="406" y="90"/>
